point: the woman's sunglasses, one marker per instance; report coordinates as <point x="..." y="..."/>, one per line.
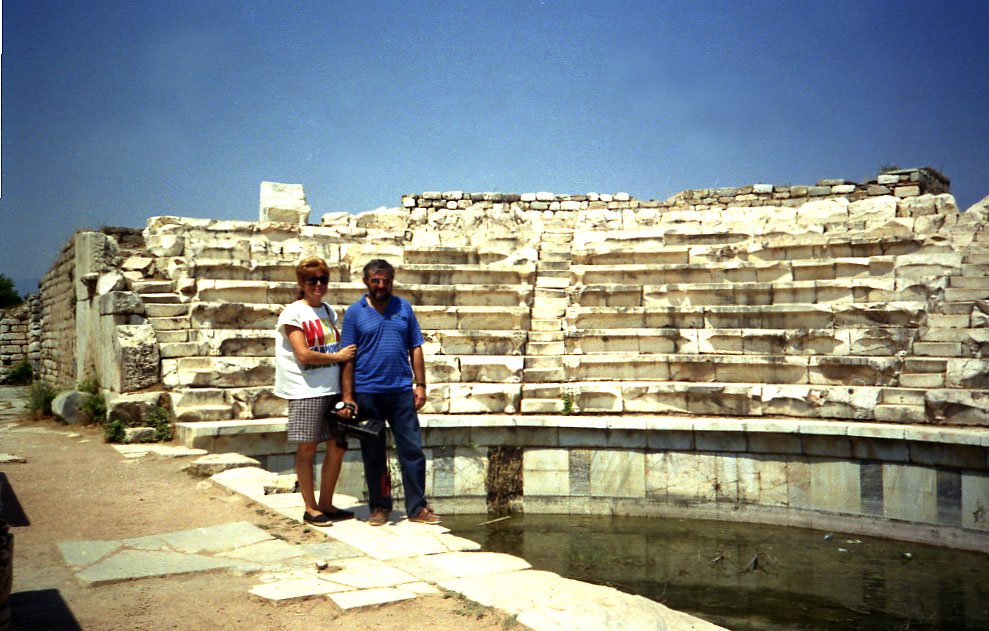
<point x="322" y="280"/>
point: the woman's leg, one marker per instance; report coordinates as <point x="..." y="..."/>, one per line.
<point x="304" y="457"/>
<point x="329" y="474"/>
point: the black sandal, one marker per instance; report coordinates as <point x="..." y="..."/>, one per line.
<point x="322" y="519"/>
<point x="340" y="515"/>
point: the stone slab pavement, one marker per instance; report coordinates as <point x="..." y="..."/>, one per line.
<point x="360" y="566"/>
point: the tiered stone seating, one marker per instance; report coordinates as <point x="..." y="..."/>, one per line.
<point x="872" y="309"/>
<point x="475" y="318"/>
<point x="828" y="324"/>
<point x="217" y="290"/>
<point x="215" y="315"/>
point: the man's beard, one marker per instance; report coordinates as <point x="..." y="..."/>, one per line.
<point x="380" y="295"/>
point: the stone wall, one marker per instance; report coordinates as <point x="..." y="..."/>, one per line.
<point x="92" y="327"/>
<point x="20" y="336"/>
<point x="58" y="334"/>
<point x="901" y="183"/>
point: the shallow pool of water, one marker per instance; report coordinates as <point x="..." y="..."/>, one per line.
<point x="751" y="576"/>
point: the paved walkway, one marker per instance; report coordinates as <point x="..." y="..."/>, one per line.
<point x="358" y="565"/>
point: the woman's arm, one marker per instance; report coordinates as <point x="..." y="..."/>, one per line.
<point x="297" y="338"/>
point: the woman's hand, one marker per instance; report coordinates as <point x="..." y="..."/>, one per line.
<point x="345" y="354"/>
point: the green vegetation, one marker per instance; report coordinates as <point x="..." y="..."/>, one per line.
<point x="90" y="386"/>
<point x="467" y="607"/>
<point x="114" y="429"/>
<point x="21" y="375"/>
<point x="39" y="399"/>
<point x="158" y="419"/>
<point x="567" y="405"/>
<point x="8" y="294"/>
<point x="93" y="409"/>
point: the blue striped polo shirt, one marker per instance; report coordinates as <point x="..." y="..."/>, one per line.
<point x="383" y="343"/>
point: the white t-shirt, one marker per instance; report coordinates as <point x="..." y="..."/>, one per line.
<point x="294" y="380"/>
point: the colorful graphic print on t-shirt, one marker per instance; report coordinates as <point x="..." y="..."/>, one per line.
<point x="321" y="336"/>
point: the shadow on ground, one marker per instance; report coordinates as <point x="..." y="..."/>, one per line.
<point x="12" y="511"/>
<point x="42" y="609"/>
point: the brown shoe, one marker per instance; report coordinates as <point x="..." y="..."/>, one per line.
<point x="425" y="516"/>
<point x="379" y="517"/>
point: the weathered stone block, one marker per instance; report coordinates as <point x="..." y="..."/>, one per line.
<point x="66" y="407"/>
<point x="910" y="493"/>
<point x="212" y="464"/>
<point x="139" y="435"/>
<point x="835" y="486"/>
<point x="491" y="369"/>
<point x="95" y="254"/>
<point x="618" y="473"/>
<point x="132" y="409"/>
<point x="120" y="303"/>
<point x="482" y="398"/>
<point x="597" y="398"/>
<point x="283" y="203"/>
<point x="136" y="351"/>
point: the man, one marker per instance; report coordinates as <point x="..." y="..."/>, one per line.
<point x="387" y="380"/>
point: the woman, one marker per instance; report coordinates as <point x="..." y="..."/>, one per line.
<point x="307" y="373"/>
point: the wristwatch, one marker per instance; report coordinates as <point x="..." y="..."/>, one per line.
<point x="420" y="385"/>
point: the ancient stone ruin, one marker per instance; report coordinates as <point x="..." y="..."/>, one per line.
<point x="795" y="354"/>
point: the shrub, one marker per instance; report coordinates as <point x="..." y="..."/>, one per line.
<point x="158" y="419"/>
<point x="90" y="386"/>
<point x="21" y="375"/>
<point x="94" y="406"/>
<point x="39" y="399"/>
<point x="113" y="431"/>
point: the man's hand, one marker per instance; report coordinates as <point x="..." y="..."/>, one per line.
<point x="419" y="395"/>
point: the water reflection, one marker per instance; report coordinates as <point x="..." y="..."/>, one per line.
<point x="745" y="576"/>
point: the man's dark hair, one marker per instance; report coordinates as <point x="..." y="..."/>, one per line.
<point x="378" y="265"/>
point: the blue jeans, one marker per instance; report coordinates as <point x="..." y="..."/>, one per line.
<point x="398" y="409"/>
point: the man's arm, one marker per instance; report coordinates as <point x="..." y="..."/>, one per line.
<point x="347" y="381"/>
<point x="419" y="374"/>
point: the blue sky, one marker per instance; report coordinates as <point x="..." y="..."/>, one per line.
<point x="116" y="111"/>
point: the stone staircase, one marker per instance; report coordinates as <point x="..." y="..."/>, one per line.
<point x="874" y="309"/>
<point x="547" y="338"/>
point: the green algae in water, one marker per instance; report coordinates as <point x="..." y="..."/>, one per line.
<point x="753" y="576"/>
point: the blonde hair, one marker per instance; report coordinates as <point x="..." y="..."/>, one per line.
<point x="307" y="267"/>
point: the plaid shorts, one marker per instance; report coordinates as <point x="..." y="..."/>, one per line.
<point x="310" y="421"/>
